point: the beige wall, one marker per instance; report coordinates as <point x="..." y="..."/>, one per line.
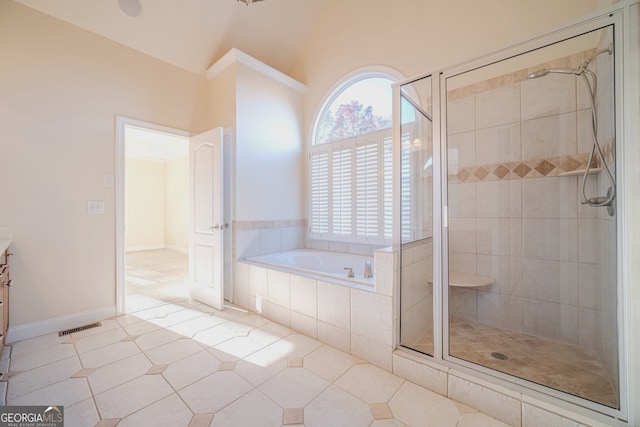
<point x="268" y="158"/>
<point x="157" y="204"/>
<point x="222" y="98"/>
<point x="176" y="227"/>
<point x="61" y="90"/>
<point x="145" y="204"/>
<point x="269" y="149"/>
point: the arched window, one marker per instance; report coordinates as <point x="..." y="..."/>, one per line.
<point x="350" y="161"/>
<point x="359" y="107"/>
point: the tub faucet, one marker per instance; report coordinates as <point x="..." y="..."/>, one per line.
<point x="349" y="272"/>
<point x="367" y="270"/>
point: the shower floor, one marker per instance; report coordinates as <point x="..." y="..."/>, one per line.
<point x="565" y="367"/>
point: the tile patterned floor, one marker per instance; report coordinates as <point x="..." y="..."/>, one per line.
<point x="186" y="364"/>
<point x="567" y="367"/>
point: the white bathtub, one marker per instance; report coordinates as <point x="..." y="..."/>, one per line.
<point x="319" y="263"/>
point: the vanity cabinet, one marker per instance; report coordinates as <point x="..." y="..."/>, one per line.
<point x="5" y="284"/>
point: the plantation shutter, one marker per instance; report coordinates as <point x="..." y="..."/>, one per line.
<point x="388" y="187"/>
<point x="405" y="182"/>
<point x="319" y="222"/>
<point x="342" y="193"/>
<point x="367" y="168"/>
<point x="351" y="189"/>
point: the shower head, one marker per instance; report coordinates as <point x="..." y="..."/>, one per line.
<point x="543" y="73"/>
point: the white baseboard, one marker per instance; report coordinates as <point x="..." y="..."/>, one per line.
<point x="154" y="247"/>
<point x="177" y="249"/>
<point x="35" y="329"/>
<point x="143" y="248"/>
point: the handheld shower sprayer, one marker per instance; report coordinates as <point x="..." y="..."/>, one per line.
<point x="544" y="72"/>
<point x="582" y="68"/>
<point x="590" y="80"/>
<point x="538" y="74"/>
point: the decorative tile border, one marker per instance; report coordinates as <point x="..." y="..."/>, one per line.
<point x="537" y="168"/>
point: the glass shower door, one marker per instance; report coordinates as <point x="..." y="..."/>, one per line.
<point x="416" y="207"/>
<point x="532" y="286"/>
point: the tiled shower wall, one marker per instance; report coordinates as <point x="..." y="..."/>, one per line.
<point x="513" y="218"/>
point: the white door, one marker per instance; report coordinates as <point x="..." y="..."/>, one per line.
<point x="207" y="223"/>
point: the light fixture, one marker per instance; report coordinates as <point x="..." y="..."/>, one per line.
<point x="248" y="2"/>
<point x="131" y="8"/>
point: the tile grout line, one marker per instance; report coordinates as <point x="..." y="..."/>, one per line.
<point x="93" y="395"/>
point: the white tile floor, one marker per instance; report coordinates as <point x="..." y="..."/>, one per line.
<point x="185" y="364"/>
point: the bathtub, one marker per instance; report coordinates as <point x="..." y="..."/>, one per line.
<point x="311" y="262"/>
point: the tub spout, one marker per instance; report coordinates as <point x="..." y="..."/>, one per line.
<point x="350" y="272"/>
<point x="368" y="273"/>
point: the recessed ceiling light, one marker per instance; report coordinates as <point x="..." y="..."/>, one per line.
<point x="131" y="8"/>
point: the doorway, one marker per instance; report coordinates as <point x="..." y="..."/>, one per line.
<point x="156" y="218"/>
<point x="169" y="268"/>
<point x="152" y="238"/>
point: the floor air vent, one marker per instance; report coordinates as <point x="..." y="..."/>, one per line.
<point x="78" y="329"/>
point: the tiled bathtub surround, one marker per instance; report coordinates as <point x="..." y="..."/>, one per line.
<point x="253" y="238"/>
<point x="353" y="319"/>
<point x="345" y="247"/>
<point x="513" y="218"/>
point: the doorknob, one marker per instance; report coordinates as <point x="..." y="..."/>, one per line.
<point x="220" y="227"/>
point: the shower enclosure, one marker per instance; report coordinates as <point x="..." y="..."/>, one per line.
<point x="514" y="273"/>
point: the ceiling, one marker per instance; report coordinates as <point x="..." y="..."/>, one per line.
<point x="194" y="34"/>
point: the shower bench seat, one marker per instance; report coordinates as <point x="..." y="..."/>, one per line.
<point x="467" y="280"/>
